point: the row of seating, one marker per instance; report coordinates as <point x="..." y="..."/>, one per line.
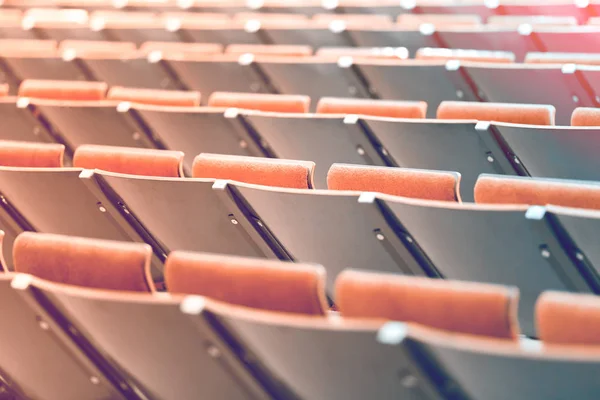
<point x="579" y="9"/>
<point x="40" y="17"/>
<point x="343" y="31"/>
<point x="278" y="126"/>
<point x="249" y="328"/>
<point x="353" y="227"/>
<point x="430" y="80"/>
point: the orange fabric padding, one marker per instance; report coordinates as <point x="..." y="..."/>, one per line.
<point x="428" y="53"/>
<point x="257" y="16"/>
<point x="393" y="53"/>
<point x="10" y="17"/>
<point x="462" y="307"/>
<point x="155" y="96"/>
<point x="562" y="58"/>
<point x="269" y="49"/>
<point x="62" y="90"/>
<point x="255" y="170"/>
<point x="28" y="48"/>
<point x="439" y="20"/>
<point x="53" y="17"/>
<point x="405" y="182"/>
<point x="4" y="89"/>
<point x="492" y="189"/>
<point x="532" y="114"/>
<point x="378" y="108"/>
<point x="366" y="19"/>
<point x="3" y="266"/>
<point x="568" y="318"/>
<point x="94" y="263"/>
<point x="585" y="116"/>
<point x="261" y="102"/>
<point x="31" y="154"/>
<point x="129" y="160"/>
<point x="96" y="48"/>
<point x="534" y="20"/>
<point x="124" y="19"/>
<point x="250" y="282"/>
<point x="169" y="49"/>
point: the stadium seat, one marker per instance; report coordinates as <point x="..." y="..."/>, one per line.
<point x="463" y="146"/>
<point x="255" y="170"/>
<point x="323" y="138"/>
<point x="518" y="247"/>
<point x="516" y="21"/>
<point x="344" y="233"/>
<point x="405" y="182"/>
<point x="481" y="367"/>
<point x="32" y="155"/>
<point x="35" y="59"/>
<point x="260" y="102"/>
<point x="208" y="72"/>
<point x="377" y="108"/>
<point x="585" y="117"/>
<point x="527" y="83"/>
<point x="192" y="129"/>
<point x="11" y="25"/>
<point x="572" y="39"/>
<point x="422" y="80"/>
<point x="131" y="26"/>
<point x="181" y="336"/>
<point x="465" y="55"/>
<point x="28" y="155"/>
<point x="316" y="76"/>
<point x="462" y="307"/>
<point x="78" y="113"/>
<point x="533" y="150"/>
<point x="316" y="33"/>
<point x="563" y="58"/>
<point x="265" y="49"/>
<point x="492" y="189"/>
<point x="438" y="20"/>
<point x="118" y="64"/>
<point x="33" y="340"/>
<point x="501" y="112"/>
<point x="575" y="226"/>
<point x="59" y="24"/>
<point x="568" y="319"/>
<point x="489" y="38"/>
<point x="409" y="37"/>
<point x="127" y="160"/>
<point x="173" y="98"/>
<point x="83" y="262"/>
<point x="364" y="52"/>
<point x="258" y="284"/>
